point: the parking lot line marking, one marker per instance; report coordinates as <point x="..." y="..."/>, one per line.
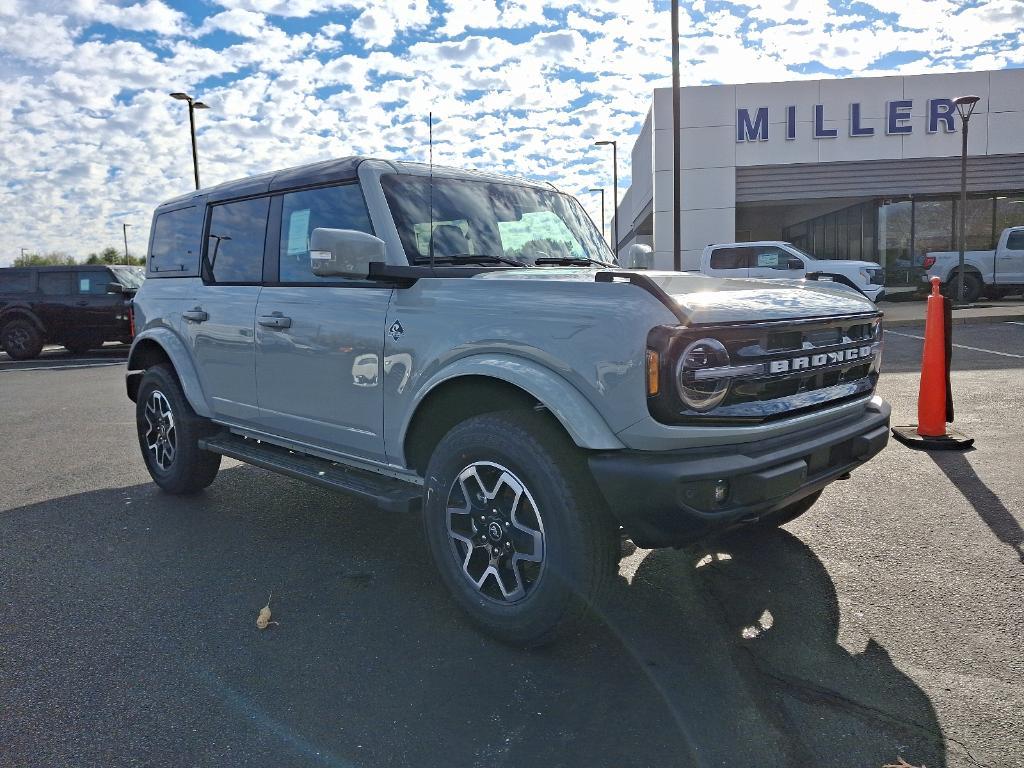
<point x="960" y="346"/>
<point x="103" y="364"/>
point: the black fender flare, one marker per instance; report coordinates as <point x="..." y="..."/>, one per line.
<point x="25" y="313"/>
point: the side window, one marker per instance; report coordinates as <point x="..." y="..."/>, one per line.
<point x="771" y="257"/>
<point x="301" y="212"/>
<point x="234" y="246"/>
<point x="94" y="282"/>
<point x="728" y="258"/>
<point x="1015" y="241"/>
<point x="55" y="283"/>
<point x="176" y="239"/>
<point x="15" y="282"/>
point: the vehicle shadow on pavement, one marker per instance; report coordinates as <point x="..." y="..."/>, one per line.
<point x="130" y="638"/>
<point x="955" y="466"/>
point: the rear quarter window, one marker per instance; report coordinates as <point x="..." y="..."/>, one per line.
<point x="175" y="246"/>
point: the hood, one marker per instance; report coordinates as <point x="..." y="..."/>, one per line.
<point x="703" y="299"/>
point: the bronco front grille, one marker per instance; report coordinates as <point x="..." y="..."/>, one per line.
<point x="775" y="369"/>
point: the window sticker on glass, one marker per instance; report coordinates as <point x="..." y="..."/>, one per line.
<point x="83" y="285"/>
<point x="767" y="259"/>
<point x="298" y="232"/>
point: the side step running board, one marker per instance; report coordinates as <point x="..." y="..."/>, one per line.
<point x="387" y="493"/>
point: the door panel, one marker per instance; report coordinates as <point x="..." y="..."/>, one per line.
<point x="318" y="365"/>
<point x="220" y="334"/>
<point x="97" y="310"/>
<point x="1010" y="261"/>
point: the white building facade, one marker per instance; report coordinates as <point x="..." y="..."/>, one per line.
<point x="860" y="168"/>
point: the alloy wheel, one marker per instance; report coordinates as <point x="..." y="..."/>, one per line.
<point x="496" y="532"/>
<point x="160" y="436"/>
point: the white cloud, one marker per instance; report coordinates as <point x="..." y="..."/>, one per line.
<point x="519" y="86"/>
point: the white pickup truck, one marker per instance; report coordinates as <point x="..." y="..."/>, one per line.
<point x="995" y="273"/>
<point x="767" y="259"/>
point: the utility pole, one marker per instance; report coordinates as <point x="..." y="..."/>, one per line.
<point x="965" y="107"/>
<point x="124" y="228"/>
<point x="677" y="258"/>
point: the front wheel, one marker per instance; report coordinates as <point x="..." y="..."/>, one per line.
<point x="519" y="534"/>
<point x="169" y="432"/>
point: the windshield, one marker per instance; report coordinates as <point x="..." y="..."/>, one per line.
<point x="479" y="218"/>
<point x="803" y="253"/>
<point x="129" y="277"/>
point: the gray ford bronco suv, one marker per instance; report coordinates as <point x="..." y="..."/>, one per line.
<point x="464" y="345"/>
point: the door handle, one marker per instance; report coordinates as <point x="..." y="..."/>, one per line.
<point x="276" y="320"/>
<point x="195" y="315"/>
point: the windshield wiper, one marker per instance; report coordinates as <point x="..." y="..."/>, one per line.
<point x="472" y="258"/>
<point x="568" y="261"/>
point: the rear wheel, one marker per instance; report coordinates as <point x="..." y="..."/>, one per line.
<point x="972" y="287"/>
<point x="520" y="536"/>
<point x="169" y="432"/>
<point x="21" y="339"/>
<point x="81" y="346"/>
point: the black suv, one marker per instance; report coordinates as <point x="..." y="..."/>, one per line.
<point x="77" y="306"/>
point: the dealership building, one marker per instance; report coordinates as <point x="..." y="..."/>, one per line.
<point x="858" y="168"/>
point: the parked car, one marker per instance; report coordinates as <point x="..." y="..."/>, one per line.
<point x="80" y="307"/>
<point x="413" y="337"/>
<point x="775" y="259"/>
<point x="995" y="273"/>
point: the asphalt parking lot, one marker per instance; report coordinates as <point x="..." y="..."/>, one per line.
<point x="888" y="622"/>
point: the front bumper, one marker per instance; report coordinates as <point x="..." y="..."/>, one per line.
<point x="667" y="498"/>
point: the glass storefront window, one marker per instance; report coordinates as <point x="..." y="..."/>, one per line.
<point x="979" y="224"/>
<point x="853" y="223"/>
<point x="894" y="240"/>
<point x="1009" y="213"/>
<point x="933" y="227"/>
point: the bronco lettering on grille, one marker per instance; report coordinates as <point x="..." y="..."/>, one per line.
<point x="806" y="362"/>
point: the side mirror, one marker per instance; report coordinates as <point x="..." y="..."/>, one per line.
<point x="795" y="263"/>
<point x="115" y="288"/>
<point x="343" y="253"/>
<point x="639" y="256"/>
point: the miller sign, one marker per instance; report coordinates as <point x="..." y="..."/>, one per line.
<point x="897" y="120"/>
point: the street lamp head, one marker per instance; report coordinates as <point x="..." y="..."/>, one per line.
<point x="965" y="105"/>
<point x="603" y="143"/>
<point x="200" y="105"/>
<point x="598" y="189"/>
<point x="180" y="96"/>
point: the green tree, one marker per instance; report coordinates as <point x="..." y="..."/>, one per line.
<point x="54" y="258"/>
<point x="111" y="255"/>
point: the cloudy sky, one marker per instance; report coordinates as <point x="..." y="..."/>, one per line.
<point x="91" y="139"/>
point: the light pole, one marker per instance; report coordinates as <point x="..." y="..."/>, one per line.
<point x="615" y="191"/>
<point x="965" y="108"/>
<point x="193" y="105"/>
<point x="677" y="262"/>
<point x="124" y="228"/>
<point x="23" y="253"/>
<point x="601" y="190"/>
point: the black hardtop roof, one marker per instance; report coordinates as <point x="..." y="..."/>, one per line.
<point x="66" y="267"/>
<point x="323" y="172"/>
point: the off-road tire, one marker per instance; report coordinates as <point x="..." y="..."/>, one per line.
<point x="81" y="346"/>
<point x="580" y="541"/>
<point x="21" y="340"/>
<point x="190" y="469"/>
<point x="972" y="287"/>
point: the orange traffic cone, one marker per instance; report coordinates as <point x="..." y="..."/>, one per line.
<point x="934" y="397"/>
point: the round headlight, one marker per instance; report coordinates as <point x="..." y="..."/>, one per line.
<point x="700" y="389"/>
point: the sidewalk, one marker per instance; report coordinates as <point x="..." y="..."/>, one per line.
<point x="898" y="313"/>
